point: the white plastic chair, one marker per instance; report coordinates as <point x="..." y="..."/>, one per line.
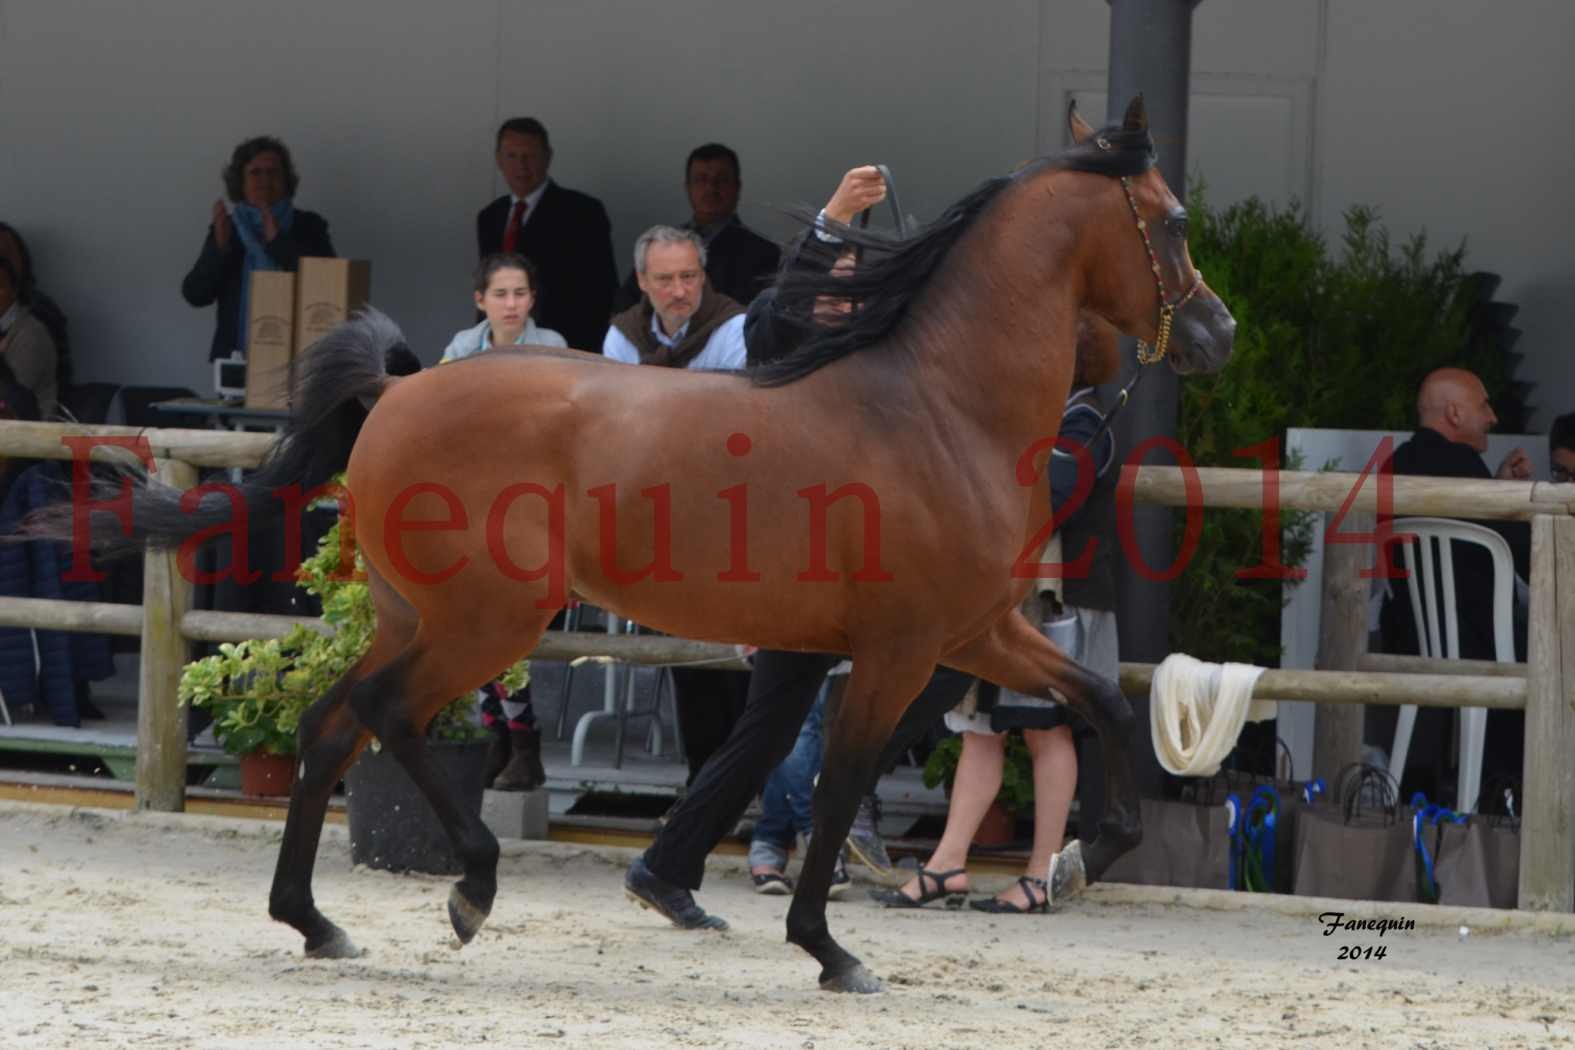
<point x="1434" y="590"/>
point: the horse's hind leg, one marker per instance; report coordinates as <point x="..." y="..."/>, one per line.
<point x="879" y="691"/>
<point x="1016" y="656"/>
<point x="329" y="738"/>
<point x="397" y="702"/>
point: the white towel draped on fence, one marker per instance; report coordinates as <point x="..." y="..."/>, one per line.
<point x="1197" y="709"/>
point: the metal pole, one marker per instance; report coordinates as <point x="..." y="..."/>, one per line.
<point x="1151" y="54"/>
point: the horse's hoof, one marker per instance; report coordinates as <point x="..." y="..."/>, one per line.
<point x="1068" y="876"/>
<point x="857" y="980"/>
<point x="337" y="946"/>
<point x="466" y="917"/>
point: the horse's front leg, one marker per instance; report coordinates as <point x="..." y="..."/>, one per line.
<point x="1014" y="655"/>
<point x="879" y="691"/>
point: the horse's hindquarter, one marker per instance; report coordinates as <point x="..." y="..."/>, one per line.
<point x="756" y="549"/>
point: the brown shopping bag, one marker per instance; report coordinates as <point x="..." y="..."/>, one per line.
<point x="1478" y="864"/>
<point x="1361" y="847"/>
<point x="1184" y="844"/>
<point x="1370" y="857"/>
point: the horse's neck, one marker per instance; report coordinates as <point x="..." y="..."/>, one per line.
<point x="995" y="340"/>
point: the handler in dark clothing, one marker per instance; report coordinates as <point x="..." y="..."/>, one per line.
<point x="261" y="229"/>
<point x="1455" y="417"/>
<point x="782" y="685"/>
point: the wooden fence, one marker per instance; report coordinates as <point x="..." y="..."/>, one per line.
<point x="1347" y="676"/>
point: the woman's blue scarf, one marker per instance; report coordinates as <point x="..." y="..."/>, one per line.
<point x="247" y="220"/>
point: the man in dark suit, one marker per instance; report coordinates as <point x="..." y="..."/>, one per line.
<point x="738" y="261"/>
<point x="1455" y="416"/>
<point x="564" y="232"/>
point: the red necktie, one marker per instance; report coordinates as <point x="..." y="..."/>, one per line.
<point x="511" y="232"/>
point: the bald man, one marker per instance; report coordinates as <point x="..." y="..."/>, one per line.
<point x="1454" y="405"/>
<point x="1454" y="417"/>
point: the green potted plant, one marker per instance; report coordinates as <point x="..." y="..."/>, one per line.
<point x="255" y="708"/>
<point x="1016" y="794"/>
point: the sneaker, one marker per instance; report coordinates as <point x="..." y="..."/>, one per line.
<point x="771" y="883"/>
<point x="864" y="838"/>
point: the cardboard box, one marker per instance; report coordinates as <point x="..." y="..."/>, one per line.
<point x="270" y="338"/>
<point x="327" y="291"/>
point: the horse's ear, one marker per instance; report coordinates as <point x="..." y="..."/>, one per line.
<point x="1081" y="131"/>
<point x="1137" y="116"/>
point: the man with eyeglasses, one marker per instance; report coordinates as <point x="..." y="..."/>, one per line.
<point x="1561" y="449"/>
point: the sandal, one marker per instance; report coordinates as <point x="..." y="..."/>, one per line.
<point x="772" y="884"/>
<point x="996" y="906"/>
<point x="898" y="899"/>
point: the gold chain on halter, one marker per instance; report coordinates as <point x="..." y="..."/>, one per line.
<point x="1167" y="310"/>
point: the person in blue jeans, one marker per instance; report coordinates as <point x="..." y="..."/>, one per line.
<point x="786" y="810"/>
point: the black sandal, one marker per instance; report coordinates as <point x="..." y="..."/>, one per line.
<point x="996" y="906"/>
<point x="772" y="884"/>
<point x="898" y="899"/>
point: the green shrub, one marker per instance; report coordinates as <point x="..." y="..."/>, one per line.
<point x="1325" y="338"/>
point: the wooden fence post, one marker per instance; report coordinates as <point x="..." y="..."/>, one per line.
<point x="161" y="723"/>
<point x="1547" y="850"/>
<point x="1342" y="639"/>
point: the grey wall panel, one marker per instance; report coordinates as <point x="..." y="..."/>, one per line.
<point x="119" y="118"/>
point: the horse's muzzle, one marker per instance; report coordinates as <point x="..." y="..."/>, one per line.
<point x="1202" y="335"/>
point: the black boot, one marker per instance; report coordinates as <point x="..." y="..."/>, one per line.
<point x="498" y="754"/>
<point x="524" y="771"/>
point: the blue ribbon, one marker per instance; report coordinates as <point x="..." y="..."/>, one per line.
<point x="1234" y="826"/>
<point x="1258" y="840"/>
<point x="1313" y="789"/>
<point x="1428" y="815"/>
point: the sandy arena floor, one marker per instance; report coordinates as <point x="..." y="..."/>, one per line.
<point x="151" y="931"/>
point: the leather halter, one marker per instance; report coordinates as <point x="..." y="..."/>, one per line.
<point x="1167" y="311"/>
<point x="1167" y="308"/>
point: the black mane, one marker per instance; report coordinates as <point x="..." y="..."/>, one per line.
<point x="894" y="270"/>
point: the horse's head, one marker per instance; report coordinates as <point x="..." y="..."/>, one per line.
<point x="1148" y="286"/>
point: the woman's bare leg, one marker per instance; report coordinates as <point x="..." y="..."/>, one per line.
<point x="1055" y="783"/>
<point x="974" y="788"/>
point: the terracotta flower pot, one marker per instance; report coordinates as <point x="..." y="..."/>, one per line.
<point x="267" y="776"/>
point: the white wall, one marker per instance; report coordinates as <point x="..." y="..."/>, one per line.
<point x="115" y="119"/>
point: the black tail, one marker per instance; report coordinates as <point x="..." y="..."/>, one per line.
<point x="335" y="384"/>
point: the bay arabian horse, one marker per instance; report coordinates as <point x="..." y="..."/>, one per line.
<point x="879" y="493"/>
